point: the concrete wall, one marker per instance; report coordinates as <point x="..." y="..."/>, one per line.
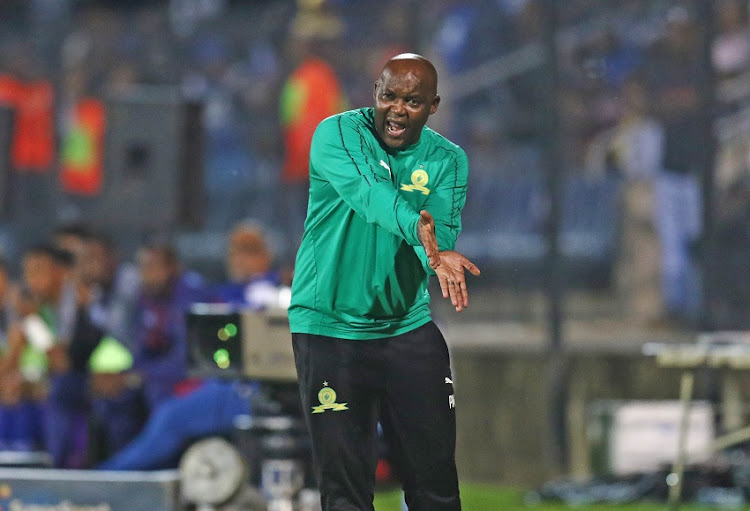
<point x="503" y="414"/>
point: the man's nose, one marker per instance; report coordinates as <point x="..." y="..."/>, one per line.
<point x="398" y="107"/>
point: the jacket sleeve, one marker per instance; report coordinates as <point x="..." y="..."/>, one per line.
<point x="340" y="156"/>
<point x="445" y="203"/>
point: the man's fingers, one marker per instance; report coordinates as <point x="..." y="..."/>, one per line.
<point x="458" y="300"/>
<point x="432" y="255"/>
<point x="464" y="293"/>
<point x="471" y="267"/>
<point x="452" y="278"/>
<point x="443" y="286"/>
<point x="459" y="296"/>
<point x="452" y="290"/>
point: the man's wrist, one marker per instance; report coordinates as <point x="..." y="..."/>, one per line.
<point x="415" y="230"/>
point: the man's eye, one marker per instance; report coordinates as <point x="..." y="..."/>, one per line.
<point x="387" y="95"/>
<point x="415" y="102"/>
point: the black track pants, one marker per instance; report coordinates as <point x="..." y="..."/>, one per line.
<point x="405" y="383"/>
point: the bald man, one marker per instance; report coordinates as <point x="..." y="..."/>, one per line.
<point x="386" y="195"/>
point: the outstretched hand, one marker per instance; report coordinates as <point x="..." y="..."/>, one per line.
<point x="426" y="235"/>
<point x="450" y="273"/>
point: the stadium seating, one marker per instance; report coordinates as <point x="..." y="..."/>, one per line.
<point x="511" y="238"/>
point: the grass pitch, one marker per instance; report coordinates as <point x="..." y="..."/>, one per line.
<point x="475" y="497"/>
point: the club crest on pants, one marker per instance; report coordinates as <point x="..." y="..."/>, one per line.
<point x="327" y="398"/>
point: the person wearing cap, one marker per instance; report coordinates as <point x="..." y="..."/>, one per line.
<point x="310" y="93"/>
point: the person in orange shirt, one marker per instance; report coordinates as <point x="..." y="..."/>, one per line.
<point x="32" y="101"/>
<point x="310" y="94"/>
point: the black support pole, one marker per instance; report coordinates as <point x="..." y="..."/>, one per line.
<point x="553" y="267"/>
<point x="707" y="105"/>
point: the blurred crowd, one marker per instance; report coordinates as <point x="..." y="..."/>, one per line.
<point x="92" y="346"/>
<point x="93" y="349"/>
<point x="651" y="100"/>
<point x="629" y="96"/>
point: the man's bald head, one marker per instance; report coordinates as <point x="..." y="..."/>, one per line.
<point x="405" y="96"/>
<point x="414" y="63"/>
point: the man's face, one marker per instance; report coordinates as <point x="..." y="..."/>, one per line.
<point x="97" y="264"/>
<point x="73" y="244"/>
<point x="247" y="257"/>
<point x="404" y="98"/>
<point x="43" y="276"/>
<point x="156" y="272"/>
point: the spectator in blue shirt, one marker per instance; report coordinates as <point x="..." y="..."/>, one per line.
<point x="212" y="407"/>
<point x="167" y="293"/>
<point x="252" y="283"/>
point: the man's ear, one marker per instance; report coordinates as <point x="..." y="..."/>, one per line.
<point x="434" y="105"/>
<point x="375" y="89"/>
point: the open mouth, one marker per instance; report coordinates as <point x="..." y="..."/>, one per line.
<point x="394" y="128"/>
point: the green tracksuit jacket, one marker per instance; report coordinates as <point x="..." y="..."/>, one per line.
<point x="360" y="271"/>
